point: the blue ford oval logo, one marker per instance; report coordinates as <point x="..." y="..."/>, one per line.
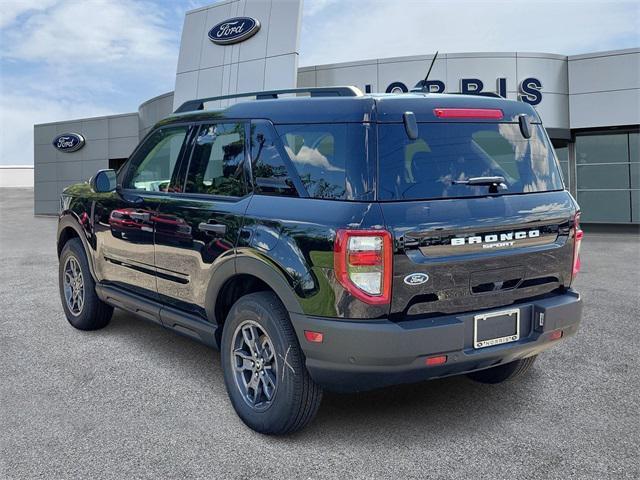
<point x="416" y="279"/>
<point x="69" y="142"/>
<point x="234" y="30"/>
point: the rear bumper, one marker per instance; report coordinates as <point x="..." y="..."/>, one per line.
<point x="365" y="354"/>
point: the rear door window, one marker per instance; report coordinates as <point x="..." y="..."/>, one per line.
<point x="217" y="162"/>
<point x="428" y="167"/>
<point x="270" y="174"/>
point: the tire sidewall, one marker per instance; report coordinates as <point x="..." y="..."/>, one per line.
<point x="84" y="321"/>
<point x="288" y="362"/>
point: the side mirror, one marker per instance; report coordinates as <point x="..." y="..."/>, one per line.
<point x="104" y="181"/>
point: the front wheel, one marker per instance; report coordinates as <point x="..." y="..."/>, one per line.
<point x="82" y="307"/>
<point x="263" y="364"/>
<point x="502" y="373"/>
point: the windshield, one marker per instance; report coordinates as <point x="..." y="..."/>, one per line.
<point x="444" y="154"/>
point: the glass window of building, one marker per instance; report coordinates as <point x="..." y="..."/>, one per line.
<point x="563" y="158"/>
<point x="607" y="177"/>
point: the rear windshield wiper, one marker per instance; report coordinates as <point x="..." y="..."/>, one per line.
<point x="494" y="183"/>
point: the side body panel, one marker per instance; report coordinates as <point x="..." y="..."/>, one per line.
<point x="124" y="230"/>
<point x="295" y="237"/>
<point x="196" y="236"/>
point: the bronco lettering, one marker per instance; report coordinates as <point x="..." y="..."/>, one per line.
<point x="491" y="239"/>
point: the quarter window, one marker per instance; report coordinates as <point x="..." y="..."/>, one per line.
<point x="270" y="173"/>
<point x="216" y="167"/>
<point x="154" y="163"/>
<point x="319" y="153"/>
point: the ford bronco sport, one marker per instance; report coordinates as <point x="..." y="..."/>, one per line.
<point x="333" y="241"/>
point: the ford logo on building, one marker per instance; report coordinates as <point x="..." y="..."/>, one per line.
<point x="234" y="30"/>
<point x="68" y="142"/>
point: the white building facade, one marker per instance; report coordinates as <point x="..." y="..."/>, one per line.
<point x="590" y="104"/>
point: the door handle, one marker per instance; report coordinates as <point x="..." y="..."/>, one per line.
<point x="213" y="228"/>
<point x="142" y="216"/>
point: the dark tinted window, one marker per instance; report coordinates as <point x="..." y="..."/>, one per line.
<point x="429" y="166"/>
<point x="216" y="166"/>
<point x="319" y="154"/>
<point x="270" y="175"/>
<point x="153" y="164"/>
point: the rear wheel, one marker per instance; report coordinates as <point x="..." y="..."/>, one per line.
<point x="264" y="369"/>
<point x="502" y="373"/>
<point x="83" y="308"/>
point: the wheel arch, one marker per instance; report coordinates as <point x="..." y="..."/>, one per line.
<point x="69" y="228"/>
<point x="249" y="275"/>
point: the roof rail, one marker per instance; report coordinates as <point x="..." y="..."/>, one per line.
<point x="198" y="104"/>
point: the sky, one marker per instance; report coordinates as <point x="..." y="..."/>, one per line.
<point x="66" y="59"/>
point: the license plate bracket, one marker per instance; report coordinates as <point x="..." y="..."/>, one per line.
<point x="496" y="328"/>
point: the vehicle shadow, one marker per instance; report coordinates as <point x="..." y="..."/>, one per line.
<point x="444" y="407"/>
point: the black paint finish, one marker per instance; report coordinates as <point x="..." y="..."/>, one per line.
<point x="180" y="252"/>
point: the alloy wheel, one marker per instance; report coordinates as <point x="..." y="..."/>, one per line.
<point x="73" y="286"/>
<point x="254" y="365"/>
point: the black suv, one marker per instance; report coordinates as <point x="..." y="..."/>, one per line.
<point x="334" y="240"/>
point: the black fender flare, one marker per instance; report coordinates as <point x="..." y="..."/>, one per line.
<point x="69" y="220"/>
<point x="250" y="265"/>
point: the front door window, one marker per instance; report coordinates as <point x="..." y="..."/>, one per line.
<point x="153" y="165"/>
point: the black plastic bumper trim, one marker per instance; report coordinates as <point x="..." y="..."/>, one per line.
<point x="364" y="354"/>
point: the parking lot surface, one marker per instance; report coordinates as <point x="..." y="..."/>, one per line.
<point x="136" y="401"/>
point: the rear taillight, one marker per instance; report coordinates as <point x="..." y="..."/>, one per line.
<point x="488" y="113"/>
<point x="577" y="240"/>
<point x="363" y="262"/>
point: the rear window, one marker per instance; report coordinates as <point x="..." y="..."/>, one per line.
<point x="320" y="153"/>
<point x="426" y="168"/>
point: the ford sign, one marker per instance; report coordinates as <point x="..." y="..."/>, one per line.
<point x="416" y="279"/>
<point x="68" y="142"/>
<point x="234" y="30"/>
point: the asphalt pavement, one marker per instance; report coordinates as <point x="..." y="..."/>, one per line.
<point x="136" y="401"/>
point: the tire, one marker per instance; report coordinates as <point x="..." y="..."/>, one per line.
<point x="502" y="373"/>
<point x="85" y="311"/>
<point x="279" y="374"/>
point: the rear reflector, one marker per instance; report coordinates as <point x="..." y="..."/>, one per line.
<point x="433" y="361"/>
<point x="488" y="113"/>
<point x="555" y="335"/>
<point x="313" y="337"/>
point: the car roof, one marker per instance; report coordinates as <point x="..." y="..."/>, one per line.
<point x="380" y="108"/>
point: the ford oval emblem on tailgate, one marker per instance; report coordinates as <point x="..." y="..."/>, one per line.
<point x="416" y="279"/>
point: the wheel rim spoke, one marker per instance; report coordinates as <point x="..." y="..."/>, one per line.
<point x="245" y="359"/>
<point x="73" y="286"/>
<point x="254" y="365"/>
<point x="268" y="385"/>
<point x="267" y="351"/>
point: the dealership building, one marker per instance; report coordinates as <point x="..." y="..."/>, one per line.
<point x="590" y="103"/>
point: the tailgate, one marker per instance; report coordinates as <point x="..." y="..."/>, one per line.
<point x="458" y="255"/>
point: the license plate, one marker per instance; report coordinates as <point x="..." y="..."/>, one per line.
<point x="496" y="328"/>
